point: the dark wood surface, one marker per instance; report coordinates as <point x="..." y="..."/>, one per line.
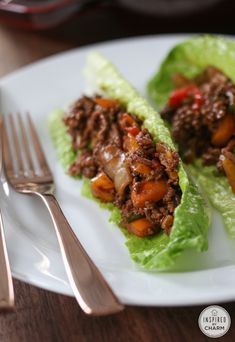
<point x="42" y="316"/>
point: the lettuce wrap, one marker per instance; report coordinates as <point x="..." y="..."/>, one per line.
<point x="191" y="220"/>
<point x="190" y="58"/>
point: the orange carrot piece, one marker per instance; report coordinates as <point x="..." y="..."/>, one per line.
<point x="141" y="168"/>
<point x="102" y="187"/>
<point x="107" y="103"/>
<point x="229" y="169"/>
<point x="141" y="227"/>
<point x="224" y="131"/>
<point x="130" y="143"/>
<point x="149" y="191"/>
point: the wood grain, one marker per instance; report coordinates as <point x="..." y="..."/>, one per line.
<point x="42" y="316"/>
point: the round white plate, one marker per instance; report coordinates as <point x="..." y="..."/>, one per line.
<point x="207" y="277"/>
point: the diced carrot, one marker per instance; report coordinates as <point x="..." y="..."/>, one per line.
<point x="229" y="169"/>
<point x="106" y="102"/>
<point x="141" y="227"/>
<point x="224" y="131"/>
<point x="102" y="187"/>
<point x="149" y="191"/>
<point x="127" y="120"/>
<point x="141" y="168"/>
<point x="130" y="143"/>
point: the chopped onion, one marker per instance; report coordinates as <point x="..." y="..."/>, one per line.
<point x="122" y="179"/>
<point x="113" y="161"/>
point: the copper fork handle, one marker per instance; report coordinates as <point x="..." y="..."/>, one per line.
<point x="90" y="289"/>
<point x="6" y="285"/>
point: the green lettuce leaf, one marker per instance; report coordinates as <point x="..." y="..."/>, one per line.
<point x="61" y="139"/>
<point x="191" y="221"/>
<point x="218" y="191"/>
<point x="190" y="58"/>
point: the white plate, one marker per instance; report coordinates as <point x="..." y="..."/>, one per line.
<point x="55" y="82"/>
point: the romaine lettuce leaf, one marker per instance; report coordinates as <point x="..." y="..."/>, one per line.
<point x="218" y="191"/>
<point x="191" y="221"/>
<point x="61" y="139"/>
<point x="190" y="58"/>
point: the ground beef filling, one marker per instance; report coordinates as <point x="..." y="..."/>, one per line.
<point x="125" y="165"/>
<point x="202" y="116"/>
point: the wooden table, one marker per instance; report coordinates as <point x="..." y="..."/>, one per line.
<point x="42" y="316"/>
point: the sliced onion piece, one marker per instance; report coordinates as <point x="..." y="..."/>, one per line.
<point x="122" y="179"/>
<point x="113" y="161"/>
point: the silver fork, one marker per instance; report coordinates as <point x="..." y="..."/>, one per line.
<point x="90" y="288"/>
<point x="6" y="284"/>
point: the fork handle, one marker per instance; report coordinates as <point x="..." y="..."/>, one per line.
<point x="90" y="288"/>
<point x="6" y="285"/>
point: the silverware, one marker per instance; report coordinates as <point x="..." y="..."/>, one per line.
<point x="90" y="288"/>
<point x="6" y="284"/>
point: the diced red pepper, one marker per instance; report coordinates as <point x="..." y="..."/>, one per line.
<point x="179" y="95"/>
<point x="133" y="130"/>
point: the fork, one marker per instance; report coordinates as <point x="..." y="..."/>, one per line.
<point x="92" y="292"/>
<point x="6" y="284"/>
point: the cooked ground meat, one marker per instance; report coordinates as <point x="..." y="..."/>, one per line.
<point x="202" y="117"/>
<point x="124" y="163"/>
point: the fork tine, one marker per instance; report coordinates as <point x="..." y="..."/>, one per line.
<point x="38" y="148"/>
<point x="16" y="146"/>
<point x="8" y="164"/>
<point x="26" y="145"/>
